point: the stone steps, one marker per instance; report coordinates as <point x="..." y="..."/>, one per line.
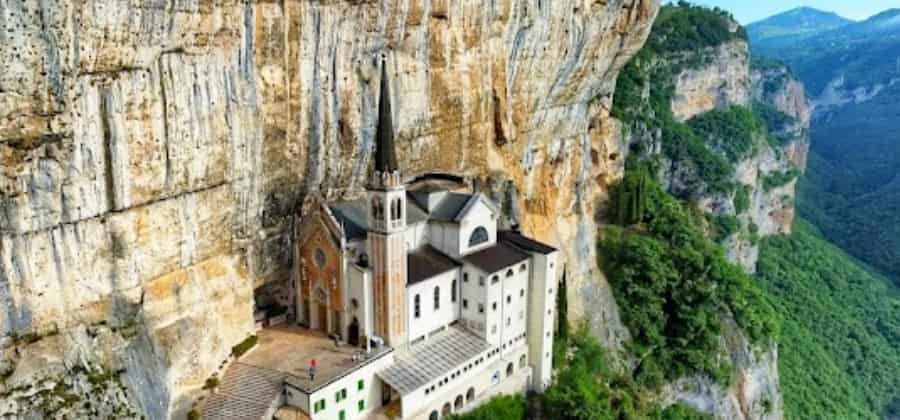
<point x="246" y="392"/>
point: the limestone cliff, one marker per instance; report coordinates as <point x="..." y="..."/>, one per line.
<point x="728" y="138"/>
<point x="153" y="154"/>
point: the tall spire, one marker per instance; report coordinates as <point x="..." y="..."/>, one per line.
<point x="385" y="157"/>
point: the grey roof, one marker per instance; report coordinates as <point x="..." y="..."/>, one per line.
<point x="385" y="156"/>
<point x="427" y="262"/>
<point x="450" y="207"/>
<point x="496" y="258"/>
<point x="525" y="243"/>
<point x="352" y="215"/>
<point x="433" y="359"/>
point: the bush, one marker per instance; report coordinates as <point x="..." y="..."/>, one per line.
<point x="501" y="407"/>
<point x="244" y="346"/>
<point x="742" y="199"/>
<point x="779" y="179"/>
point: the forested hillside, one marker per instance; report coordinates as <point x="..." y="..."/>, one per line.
<point x="852" y="193"/>
<point x="840" y="340"/>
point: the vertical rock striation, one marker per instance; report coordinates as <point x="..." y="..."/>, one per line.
<point x="152" y="155"/>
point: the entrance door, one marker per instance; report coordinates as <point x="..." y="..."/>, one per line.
<point x="323" y="318"/>
<point x="353" y="332"/>
<point x="385" y="394"/>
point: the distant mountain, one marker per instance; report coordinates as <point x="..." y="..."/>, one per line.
<point x="795" y="24"/>
<point x="852" y="191"/>
<point x="852" y="56"/>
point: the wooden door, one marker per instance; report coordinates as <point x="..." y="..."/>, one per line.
<point x="323" y="318"/>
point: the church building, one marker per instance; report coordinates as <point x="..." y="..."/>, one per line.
<point x="419" y="272"/>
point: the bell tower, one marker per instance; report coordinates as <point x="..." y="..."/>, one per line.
<point x="386" y="195"/>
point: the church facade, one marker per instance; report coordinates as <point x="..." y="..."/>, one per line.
<point x="421" y="267"/>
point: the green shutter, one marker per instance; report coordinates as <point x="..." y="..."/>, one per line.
<point x="359" y="385"/>
<point x="361" y="405"/>
<point x="342" y="416"/>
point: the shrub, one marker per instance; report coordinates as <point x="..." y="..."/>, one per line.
<point x="742" y="199"/>
<point x="244" y="346"/>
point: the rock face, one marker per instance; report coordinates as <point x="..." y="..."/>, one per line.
<point x="153" y="154"/>
<point x="722" y="80"/>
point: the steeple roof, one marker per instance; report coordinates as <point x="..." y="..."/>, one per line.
<point x="385" y="156"/>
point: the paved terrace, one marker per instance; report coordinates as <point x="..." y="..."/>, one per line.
<point x="252" y="386"/>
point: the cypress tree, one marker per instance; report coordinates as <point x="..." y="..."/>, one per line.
<point x="562" y="309"/>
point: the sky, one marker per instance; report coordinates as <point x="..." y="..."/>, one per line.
<point x="749" y="11"/>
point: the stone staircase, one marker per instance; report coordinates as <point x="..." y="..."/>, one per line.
<point x="246" y="393"/>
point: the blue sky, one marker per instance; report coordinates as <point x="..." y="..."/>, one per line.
<point x="748" y="11"/>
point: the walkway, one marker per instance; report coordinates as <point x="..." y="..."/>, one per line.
<point x="246" y="392"/>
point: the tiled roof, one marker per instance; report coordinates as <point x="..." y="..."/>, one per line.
<point x="427" y="262"/>
<point x="496" y="258"/>
<point x="525" y="243"/>
<point x="428" y="361"/>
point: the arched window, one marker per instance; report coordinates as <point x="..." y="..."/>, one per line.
<point x="453" y="291"/>
<point x="470" y="395"/>
<point x="416" y="307"/>
<point x="433" y="416"/>
<point x="509" y="273"/>
<point x="377" y="208"/>
<point x="479" y="236"/>
<point x="458" y="403"/>
<point x="437" y="298"/>
<point x="396" y="209"/>
<point x="509" y="369"/>
<point x="522" y="361"/>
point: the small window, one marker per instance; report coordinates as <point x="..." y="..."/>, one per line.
<point x="354" y="303"/>
<point x="495" y="279"/>
<point x="360" y="384"/>
<point x="465" y="277"/>
<point x="522" y="293"/>
<point x="509" y="273"/>
<point x="453" y="291"/>
<point x="508" y="321"/>
<point x="481" y="308"/>
<point x="465" y="303"/>
<point x="508" y="298"/>
<point x="481" y="280"/>
<point x="523" y="267"/>
<point x="361" y="404"/>
<point x="494" y="306"/>
<point x="417" y="307"/>
<point x="342" y="415"/>
<point x="437" y="298"/>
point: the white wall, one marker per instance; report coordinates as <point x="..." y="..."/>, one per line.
<point x="431" y="319"/>
<point x="541" y="317"/>
<point x="416" y="235"/>
<point x="418" y="405"/>
<point x="475" y="294"/>
<point x="479" y="215"/>
<point x="370" y="394"/>
<point x="360" y="288"/>
<point x="515" y="305"/>
<point x="445" y="237"/>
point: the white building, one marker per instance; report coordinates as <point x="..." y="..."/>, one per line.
<point x="418" y="273"/>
